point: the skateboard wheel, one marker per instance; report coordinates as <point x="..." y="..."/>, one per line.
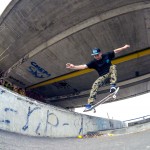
<point x="94" y="110"/>
<point x="114" y="96"/>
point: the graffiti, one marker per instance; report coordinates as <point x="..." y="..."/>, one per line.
<point x="81" y="129"/>
<point x="20" y="91"/>
<point x="65" y="124"/>
<point x="6" y="110"/>
<point x="111" y="124"/>
<point x="10" y="109"/>
<point x="12" y="87"/>
<point x="38" y="129"/>
<point x="78" y="123"/>
<point x="52" y="120"/>
<point x="62" y="85"/>
<point x="5" y="121"/>
<point x="28" y="115"/>
<point x="65" y="85"/>
<point x="2" y="91"/>
<point x="37" y="71"/>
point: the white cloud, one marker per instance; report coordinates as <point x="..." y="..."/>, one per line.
<point x="124" y="109"/>
<point x="3" y="5"/>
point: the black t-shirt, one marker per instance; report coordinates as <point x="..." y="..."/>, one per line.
<point x="102" y="66"/>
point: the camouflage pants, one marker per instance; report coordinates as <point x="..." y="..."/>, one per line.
<point x="112" y="75"/>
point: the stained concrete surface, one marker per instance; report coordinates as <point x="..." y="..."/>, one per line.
<point x="135" y="141"/>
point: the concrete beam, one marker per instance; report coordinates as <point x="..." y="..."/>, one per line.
<point x="90" y="22"/>
<point x="85" y="24"/>
<point x="81" y="72"/>
<point x="129" y="88"/>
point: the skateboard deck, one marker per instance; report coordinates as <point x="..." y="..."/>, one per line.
<point x="105" y="99"/>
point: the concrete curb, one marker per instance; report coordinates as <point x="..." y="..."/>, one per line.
<point x="128" y="130"/>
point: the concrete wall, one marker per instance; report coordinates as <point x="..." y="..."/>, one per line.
<point x="26" y="116"/>
<point x="139" y="122"/>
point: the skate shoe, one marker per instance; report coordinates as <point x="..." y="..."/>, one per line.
<point x="88" y="106"/>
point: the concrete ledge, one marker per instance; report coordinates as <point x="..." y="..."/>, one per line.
<point x="26" y="116"/>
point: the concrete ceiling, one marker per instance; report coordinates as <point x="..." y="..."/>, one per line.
<point x="37" y="39"/>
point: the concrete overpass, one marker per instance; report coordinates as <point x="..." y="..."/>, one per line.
<point x="37" y="39"/>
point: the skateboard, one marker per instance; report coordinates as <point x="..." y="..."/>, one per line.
<point x="111" y="95"/>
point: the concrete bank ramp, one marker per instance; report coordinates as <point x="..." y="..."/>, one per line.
<point x="134" y="141"/>
<point x="26" y="116"/>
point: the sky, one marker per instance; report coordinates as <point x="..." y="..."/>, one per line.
<point x="121" y="110"/>
<point x="3" y="4"/>
<point x="124" y="109"/>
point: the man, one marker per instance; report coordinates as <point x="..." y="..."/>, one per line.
<point x="102" y="64"/>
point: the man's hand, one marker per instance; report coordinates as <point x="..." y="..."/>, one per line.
<point x="69" y="66"/>
<point x="121" y="48"/>
<point x="76" y="67"/>
<point x="126" y="46"/>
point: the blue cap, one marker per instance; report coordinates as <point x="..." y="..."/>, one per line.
<point x="95" y="51"/>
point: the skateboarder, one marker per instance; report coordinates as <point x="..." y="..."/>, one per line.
<point x="102" y="64"/>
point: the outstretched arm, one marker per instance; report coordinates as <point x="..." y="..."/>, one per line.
<point x="121" y="48"/>
<point x="76" y="67"/>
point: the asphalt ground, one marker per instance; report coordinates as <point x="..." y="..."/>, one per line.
<point x="133" y="141"/>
